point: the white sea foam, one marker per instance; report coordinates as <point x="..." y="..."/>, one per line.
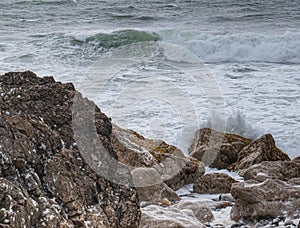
<point x="237" y="123"/>
<point x="239" y="47"/>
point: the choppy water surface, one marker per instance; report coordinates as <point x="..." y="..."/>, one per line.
<point x="251" y="48"/>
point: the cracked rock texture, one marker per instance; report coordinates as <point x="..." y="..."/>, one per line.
<point x="48" y="176"/>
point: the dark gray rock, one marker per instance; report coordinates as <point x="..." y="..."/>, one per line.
<point x="45" y="181"/>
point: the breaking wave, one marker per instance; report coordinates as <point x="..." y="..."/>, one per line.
<point x="116" y="38"/>
<point x="237" y="123"/>
<point x="239" y="47"/>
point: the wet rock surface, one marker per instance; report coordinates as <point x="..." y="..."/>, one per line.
<point x="45" y="181"/>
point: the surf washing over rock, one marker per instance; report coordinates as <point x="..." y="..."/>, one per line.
<point x="250" y="49"/>
<point x="240" y="47"/>
<point x="123" y="179"/>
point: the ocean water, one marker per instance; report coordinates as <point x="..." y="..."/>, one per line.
<point x="249" y="50"/>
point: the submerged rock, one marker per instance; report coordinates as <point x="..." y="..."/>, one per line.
<point x="45" y="179"/>
<point x="213" y="183"/>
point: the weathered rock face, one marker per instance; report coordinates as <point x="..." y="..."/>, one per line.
<point x="213" y="183"/>
<point x="202" y="213"/>
<point x="157" y="217"/>
<point x="269" y="199"/>
<point x="150" y="187"/>
<point x="233" y="152"/>
<point x="45" y="181"/>
<point x="262" y="149"/>
<point x="217" y="149"/>
<point x="281" y="170"/>
<point x="136" y="151"/>
<point x="271" y="190"/>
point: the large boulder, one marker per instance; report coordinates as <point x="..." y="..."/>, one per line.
<point x="264" y="200"/>
<point x="156" y="217"/>
<point x="281" y="170"/>
<point x="233" y="152"/>
<point x="202" y="213"/>
<point x="213" y="183"/>
<point x="217" y="149"/>
<point x="262" y="149"/>
<point x="136" y="151"/>
<point x="48" y="178"/>
<point x="150" y="187"/>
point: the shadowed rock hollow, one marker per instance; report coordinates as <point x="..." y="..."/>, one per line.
<point x="44" y="180"/>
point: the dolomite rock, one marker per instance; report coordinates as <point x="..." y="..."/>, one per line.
<point x="46" y="178"/>
<point x="150" y="187"/>
<point x="136" y="151"/>
<point x="269" y="199"/>
<point x="262" y="149"/>
<point x="202" y="213"/>
<point x="213" y="183"/>
<point x="217" y="149"/>
<point x="281" y="170"/>
<point x="182" y="214"/>
<point x="233" y="152"/>
<point x="156" y="217"/>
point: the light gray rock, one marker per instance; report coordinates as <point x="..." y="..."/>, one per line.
<point x="202" y="213"/>
<point x="154" y="216"/>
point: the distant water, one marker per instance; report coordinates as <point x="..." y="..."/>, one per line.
<point x="251" y="48"/>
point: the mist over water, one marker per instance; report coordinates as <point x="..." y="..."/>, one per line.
<point x="251" y="48"/>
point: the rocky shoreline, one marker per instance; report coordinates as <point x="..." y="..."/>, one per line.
<point x="119" y="178"/>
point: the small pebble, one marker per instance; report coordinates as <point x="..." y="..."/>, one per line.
<point x="166" y="202"/>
